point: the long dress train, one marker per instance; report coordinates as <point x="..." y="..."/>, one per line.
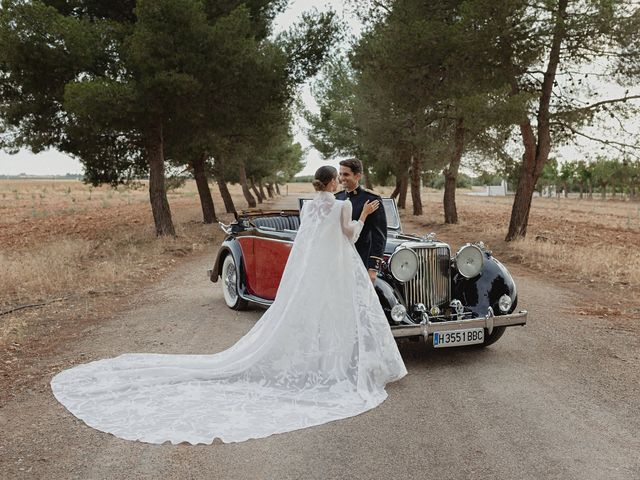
<point x="321" y="352"/>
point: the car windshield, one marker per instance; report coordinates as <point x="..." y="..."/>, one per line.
<point x="391" y="211"/>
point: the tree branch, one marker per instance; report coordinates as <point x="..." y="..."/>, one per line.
<point x="619" y="146"/>
<point x="32" y="305"/>
<point x="606" y="102"/>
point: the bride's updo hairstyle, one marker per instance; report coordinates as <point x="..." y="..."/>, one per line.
<point x="323" y="176"/>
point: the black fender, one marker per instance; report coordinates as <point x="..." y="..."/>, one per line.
<point x="484" y="290"/>
<point x="388" y="296"/>
<point x="229" y="246"/>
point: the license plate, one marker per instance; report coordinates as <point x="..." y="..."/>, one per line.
<point x="455" y="338"/>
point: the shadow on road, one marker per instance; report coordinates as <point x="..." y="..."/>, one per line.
<point x="420" y="353"/>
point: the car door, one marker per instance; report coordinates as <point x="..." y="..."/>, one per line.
<point x="270" y="254"/>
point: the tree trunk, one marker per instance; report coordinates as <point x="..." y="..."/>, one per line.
<point x="526" y="185"/>
<point x="263" y="194"/>
<point x="278" y="189"/>
<point x="396" y="190"/>
<point x="218" y="171"/>
<point x="367" y="179"/>
<point x="604" y="191"/>
<point x="404" y="188"/>
<point x="451" y="176"/>
<point x="402" y="179"/>
<point x="226" y="196"/>
<point x="157" y="190"/>
<point x="206" y="200"/>
<point x="245" y="187"/>
<point x="416" y="171"/>
<point x="536" y="150"/>
<point x="255" y="190"/>
<point x="581" y="190"/>
<point x="270" y="190"/>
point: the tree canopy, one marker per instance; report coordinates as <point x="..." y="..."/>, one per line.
<point x="430" y="82"/>
<point x="125" y="86"/>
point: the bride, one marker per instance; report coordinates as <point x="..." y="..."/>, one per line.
<point x="323" y="351"/>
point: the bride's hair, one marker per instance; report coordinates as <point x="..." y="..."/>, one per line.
<point x="323" y="176"/>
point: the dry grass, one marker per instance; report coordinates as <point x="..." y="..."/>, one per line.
<point x="86" y="241"/>
<point x="75" y="266"/>
<point x="615" y="265"/>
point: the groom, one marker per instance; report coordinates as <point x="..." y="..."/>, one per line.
<point x="373" y="238"/>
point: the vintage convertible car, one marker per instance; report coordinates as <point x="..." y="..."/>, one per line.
<point x="426" y="293"/>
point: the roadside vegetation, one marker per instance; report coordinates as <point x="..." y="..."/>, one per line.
<point x="87" y="242"/>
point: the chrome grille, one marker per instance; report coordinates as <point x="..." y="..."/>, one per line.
<point x="431" y="285"/>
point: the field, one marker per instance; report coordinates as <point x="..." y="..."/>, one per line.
<point x="72" y="255"/>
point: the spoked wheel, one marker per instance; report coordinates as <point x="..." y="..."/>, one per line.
<point x="230" y="276"/>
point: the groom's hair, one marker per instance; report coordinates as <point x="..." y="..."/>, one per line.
<point x="353" y="163"/>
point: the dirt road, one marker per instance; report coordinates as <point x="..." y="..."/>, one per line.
<point x="558" y="398"/>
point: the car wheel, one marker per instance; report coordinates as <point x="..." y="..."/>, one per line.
<point x="230" y="277"/>
<point x="493" y="337"/>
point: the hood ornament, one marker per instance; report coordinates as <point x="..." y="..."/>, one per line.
<point x="430" y="237"/>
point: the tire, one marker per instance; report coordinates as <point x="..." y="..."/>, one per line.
<point x="230" y="280"/>
<point x="494" y="337"/>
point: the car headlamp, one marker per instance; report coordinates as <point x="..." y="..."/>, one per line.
<point x="469" y="261"/>
<point x="398" y="313"/>
<point x="403" y="264"/>
<point x="504" y="303"/>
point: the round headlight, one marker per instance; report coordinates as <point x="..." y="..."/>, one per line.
<point x="469" y="260"/>
<point x="504" y="304"/>
<point x="403" y="264"/>
<point x="398" y="312"/>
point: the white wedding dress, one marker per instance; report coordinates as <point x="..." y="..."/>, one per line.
<point x="323" y="351"/>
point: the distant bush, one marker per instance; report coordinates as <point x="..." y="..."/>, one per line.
<point x="175" y="182"/>
<point x="302" y="179"/>
<point x="436" y="180"/>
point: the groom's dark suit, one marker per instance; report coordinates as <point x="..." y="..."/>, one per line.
<point x="373" y="238"/>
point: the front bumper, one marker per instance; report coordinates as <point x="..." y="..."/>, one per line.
<point x="490" y="321"/>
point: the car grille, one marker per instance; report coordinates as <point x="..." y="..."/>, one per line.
<point x="431" y="285"/>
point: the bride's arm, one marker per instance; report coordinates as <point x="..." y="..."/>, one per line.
<point x="351" y="228"/>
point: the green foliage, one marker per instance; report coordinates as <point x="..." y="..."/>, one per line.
<point x="601" y="174"/>
<point x="308" y="43"/>
<point x="333" y="131"/>
<point x="99" y="80"/>
<point x="436" y="180"/>
<point x="419" y="68"/>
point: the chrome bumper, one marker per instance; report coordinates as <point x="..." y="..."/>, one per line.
<point x="490" y="321"/>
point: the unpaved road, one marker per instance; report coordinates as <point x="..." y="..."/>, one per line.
<point x="558" y="399"/>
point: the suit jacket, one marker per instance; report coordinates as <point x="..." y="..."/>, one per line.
<point x="373" y="238"/>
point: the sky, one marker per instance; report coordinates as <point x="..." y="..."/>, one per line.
<point x="53" y="162"/>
